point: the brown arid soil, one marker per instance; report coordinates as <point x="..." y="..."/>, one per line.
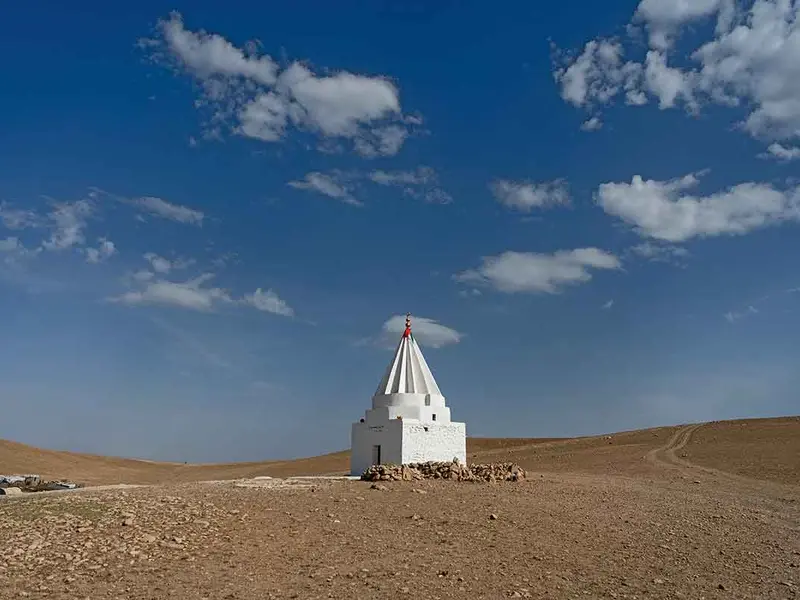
<point x="696" y="511"/>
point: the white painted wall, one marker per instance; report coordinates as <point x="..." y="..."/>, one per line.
<point x="406" y="441"/>
<point x="434" y="441"/>
<point x="388" y="434"/>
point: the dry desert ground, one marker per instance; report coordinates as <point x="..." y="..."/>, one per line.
<point x="696" y="511"/>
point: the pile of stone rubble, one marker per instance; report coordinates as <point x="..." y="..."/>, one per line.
<point x="31" y="483"/>
<point x="453" y="471"/>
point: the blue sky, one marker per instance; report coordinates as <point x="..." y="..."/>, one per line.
<point x="212" y="216"/>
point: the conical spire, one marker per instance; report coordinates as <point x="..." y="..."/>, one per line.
<point x="408" y="373"/>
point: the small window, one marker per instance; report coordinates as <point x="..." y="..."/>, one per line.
<point x="426" y="429"/>
<point x="434" y="416"/>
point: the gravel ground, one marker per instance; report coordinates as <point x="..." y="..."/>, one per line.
<point x="677" y="531"/>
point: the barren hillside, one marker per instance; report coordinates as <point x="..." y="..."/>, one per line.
<point x="762" y="448"/>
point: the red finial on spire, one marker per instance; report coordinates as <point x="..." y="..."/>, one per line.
<point x="407" y="332"/>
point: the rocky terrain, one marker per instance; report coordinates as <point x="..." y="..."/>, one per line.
<point x="631" y="515"/>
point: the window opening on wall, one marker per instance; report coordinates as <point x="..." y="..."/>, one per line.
<point x="434" y="416"/>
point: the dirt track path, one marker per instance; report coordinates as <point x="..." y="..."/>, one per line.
<point x="775" y="501"/>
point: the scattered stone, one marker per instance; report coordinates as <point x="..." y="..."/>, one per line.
<point x="493" y="517"/>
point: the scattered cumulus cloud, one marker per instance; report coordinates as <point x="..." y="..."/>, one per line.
<point x="751" y="61"/>
<point x="17" y="219"/>
<point x="781" y="153"/>
<point x="664" y="18"/>
<point x="248" y="94"/>
<point x="529" y="272"/>
<point x="592" y="124"/>
<point x="665" y="210"/>
<point x="105" y="250"/>
<point x="526" y="196"/>
<point x="608" y="305"/>
<point x="67" y="222"/>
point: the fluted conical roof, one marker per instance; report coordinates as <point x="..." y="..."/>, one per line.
<point x="408" y="373"/>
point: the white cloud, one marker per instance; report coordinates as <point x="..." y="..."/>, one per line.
<point x="665" y="211"/>
<point x="526" y="195"/>
<point x="158" y="263"/>
<point x="608" y="305"/>
<point x="428" y="332"/>
<point x="597" y="75"/>
<point x="592" y="124"/>
<point x="191" y="294"/>
<point x="210" y="55"/>
<point x="512" y="272"/>
<point x="105" y="250"/>
<point x="10" y="244"/>
<point x="68" y="222"/>
<point x="732" y="316"/>
<point x="419" y="176"/>
<point x="249" y="94"/>
<point x="326" y="185"/>
<point x="143" y="275"/>
<point x="16" y="219"/>
<point x="167" y="210"/>
<point x="752" y="62"/>
<point x="162" y="265"/>
<point x="14" y="252"/>
<point x="422" y="183"/>
<point x="664" y="18"/>
<point x="268" y="301"/>
<point x="666" y="253"/>
<point x="781" y="152"/>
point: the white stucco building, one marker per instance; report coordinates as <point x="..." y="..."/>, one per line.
<point x="409" y="420"/>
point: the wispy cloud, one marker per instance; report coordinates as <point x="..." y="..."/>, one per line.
<point x="268" y="301"/>
<point x="420" y="183"/>
<point x="167" y="210"/>
<point x="732" y="316"/>
<point x="327" y="185"/>
<point x="192" y="294"/>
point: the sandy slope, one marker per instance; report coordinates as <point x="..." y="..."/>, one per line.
<point x="697" y="511"/>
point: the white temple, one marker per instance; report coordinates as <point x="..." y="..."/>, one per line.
<point x="409" y="421"/>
